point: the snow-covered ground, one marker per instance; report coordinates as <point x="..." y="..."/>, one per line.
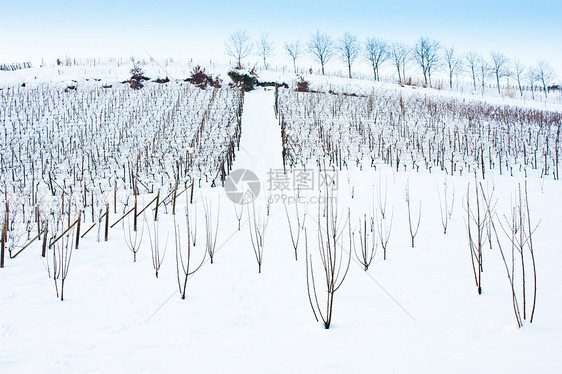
<point x="416" y="311"/>
<point x="116" y="71"/>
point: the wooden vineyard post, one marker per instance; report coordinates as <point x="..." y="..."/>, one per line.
<point x="157" y="204"/>
<point x="93" y="218"/>
<point x="4" y="235"/>
<point x="44" y="249"/>
<point x="37" y="219"/>
<point x="2" y="245"/>
<point x="192" y="188"/>
<point x="106" y="221"/>
<point x="135" y="216"/>
<point x="78" y="228"/>
<point x="7" y="217"/>
<point x="174" y="199"/>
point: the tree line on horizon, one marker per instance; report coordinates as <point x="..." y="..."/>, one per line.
<point x="427" y="54"/>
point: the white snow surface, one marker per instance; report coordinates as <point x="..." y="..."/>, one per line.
<point x="114" y="72"/>
<point x="417" y="311"/>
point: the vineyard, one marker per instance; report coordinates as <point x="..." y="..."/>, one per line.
<point x="409" y="132"/>
<point x="68" y="152"/>
<point x="391" y="220"/>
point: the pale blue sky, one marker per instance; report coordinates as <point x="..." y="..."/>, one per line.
<point x="29" y="30"/>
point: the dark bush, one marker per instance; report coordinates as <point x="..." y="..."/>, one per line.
<point x="135" y="84"/>
<point x="137" y="76"/>
<point x="272" y="84"/>
<point x="302" y="85"/>
<point x="202" y="80"/>
<point x="245" y="81"/>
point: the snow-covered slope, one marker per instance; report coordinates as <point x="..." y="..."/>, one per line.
<point x="416" y="311"/>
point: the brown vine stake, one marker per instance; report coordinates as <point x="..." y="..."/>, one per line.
<point x="106" y="221"/>
<point x="157" y="205"/>
<point x="26" y="246"/>
<point x="44" y="249"/>
<point x="6" y="219"/>
<point x="135" y="215"/>
<point x="123" y="216"/>
<point x="69" y="209"/>
<point x="149" y="204"/>
<point x="78" y="229"/>
<point x="92" y="195"/>
<point x="63" y="234"/>
<point x="192" y="188"/>
<point x="2" y="245"/>
<point x="37" y="219"/>
<point x="174" y="198"/>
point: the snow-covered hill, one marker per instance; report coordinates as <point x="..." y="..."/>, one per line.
<point x="418" y="310"/>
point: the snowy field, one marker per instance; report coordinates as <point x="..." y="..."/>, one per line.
<point x="415" y="309"/>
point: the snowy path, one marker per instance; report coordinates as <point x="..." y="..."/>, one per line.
<point x="260" y="144"/>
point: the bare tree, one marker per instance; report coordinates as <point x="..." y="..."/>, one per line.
<point x="368" y="243"/>
<point x="444" y="209"/>
<point x="399" y="54"/>
<point x="519" y="232"/>
<point x="184" y="264"/>
<point x="500" y="67"/>
<point x="155" y="244"/>
<point x="484" y="70"/>
<point x="296" y="232"/>
<point x="414" y="227"/>
<point x="132" y="238"/>
<point x="238" y="46"/>
<point x="334" y="262"/>
<point x="376" y="52"/>
<point x="239" y="211"/>
<point x="472" y="60"/>
<point x="454" y="64"/>
<point x="477" y="221"/>
<point x="383" y="221"/>
<point x="294" y="50"/>
<point x="62" y="253"/>
<point x="426" y="55"/>
<point x="545" y="75"/>
<point x="519" y="71"/>
<point x="211" y="237"/>
<point x="532" y="76"/>
<point x="348" y="48"/>
<point x="520" y="237"/>
<point x="258" y="224"/>
<point x="321" y="47"/>
<point x="266" y="49"/>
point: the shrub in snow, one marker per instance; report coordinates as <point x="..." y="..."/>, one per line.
<point x="246" y="80"/>
<point x="160" y="80"/>
<point x="137" y="76"/>
<point x="202" y="80"/>
<point x="301" y="85"/>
